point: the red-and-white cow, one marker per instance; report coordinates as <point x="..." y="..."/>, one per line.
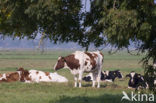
<point x="29" y="76"/>
<point x="80" y="62"/>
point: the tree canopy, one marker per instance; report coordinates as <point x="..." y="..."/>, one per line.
<point x="114" y="22"/>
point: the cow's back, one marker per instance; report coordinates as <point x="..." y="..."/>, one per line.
<point x="89" y="60"/>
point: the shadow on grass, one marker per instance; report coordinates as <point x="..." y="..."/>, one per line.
<point x="106" y="98"/>
<point x="104" y="85"/>
<point x="90" y="85"/>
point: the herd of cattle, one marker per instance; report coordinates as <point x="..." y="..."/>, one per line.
<point x="78" y="63"/>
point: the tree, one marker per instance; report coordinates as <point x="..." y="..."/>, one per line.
<point x="59" y="19"/>
<point x="114" y="22"/>
<point x="126" y="21"/>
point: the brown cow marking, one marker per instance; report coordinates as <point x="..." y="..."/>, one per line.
<point x="49" y="77"/>
<point x="13" y="77"/>
<point x="93" y="62"/>
<point x="95" y="55"/>
<point x="37" y="72"/>
<point x="47" y="73"/>
<point x="40" y="77"/>
<point x="10" y="77"/>
<point x="24" y="75"/>
<point x="7" y="74"/>
<point x="60" y="63"/>
<point x="86" y="62"/>
<point x="72" y="62"/>
<point x="0" y="75"/>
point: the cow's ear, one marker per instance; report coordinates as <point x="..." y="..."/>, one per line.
<point x="20" y="69"/>
<point x="63" y="59"/>
<point x="139" y="75"/>
<point x="59" y="57"/>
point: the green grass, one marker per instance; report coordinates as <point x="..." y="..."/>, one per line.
<point x="18" y="92"/>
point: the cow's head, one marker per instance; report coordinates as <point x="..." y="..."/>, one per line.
<point x="60" y="63"/>
<point x="103" y="75"/>
<point x="134" y="77"/>
<point x="24" y="74"/>
<point x="118" y="74"/>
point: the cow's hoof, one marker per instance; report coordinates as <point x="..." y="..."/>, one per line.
<point x="98" y="86"/>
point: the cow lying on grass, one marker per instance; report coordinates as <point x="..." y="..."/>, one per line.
<point x="80" y="62"/>
<point x="29" y="76"/>
<point x="108" y="76"/>
<point x="136" y="81"/>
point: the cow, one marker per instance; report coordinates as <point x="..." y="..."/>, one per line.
<point x="29" y="76"/>
<point x="37" y="76"/>
<point x="80" y="62"/>
<point x="105" y="76"/>
<point x="136" y="81"/>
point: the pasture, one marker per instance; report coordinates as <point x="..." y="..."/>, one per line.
<point x="18" y="92"/>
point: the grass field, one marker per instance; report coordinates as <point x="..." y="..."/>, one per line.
<point x="18" y="92"/>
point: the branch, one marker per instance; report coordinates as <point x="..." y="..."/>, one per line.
<point x="41" y="39"/>
<point x="85" y="4"/>
<point x="114" y="4"/>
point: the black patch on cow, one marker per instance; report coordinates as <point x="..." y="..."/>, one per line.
<point x="111" y="76"/>
<point x="87" y="79"/>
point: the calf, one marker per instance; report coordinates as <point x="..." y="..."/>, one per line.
<point x="136" y="81"/>
<point x="80" y="62"/>
<point x="105" y="76"/>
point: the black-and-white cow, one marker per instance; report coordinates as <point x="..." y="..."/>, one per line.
<point x="80" y="62"/>
<point x="105" y="76"/>
<point x="136" y="81"/>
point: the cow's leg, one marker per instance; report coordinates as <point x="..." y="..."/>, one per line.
<point x="99" y="77"/>
<point x="75" y="79"/>
<point x="80" y="78"/>
<point x="94" y="79"/>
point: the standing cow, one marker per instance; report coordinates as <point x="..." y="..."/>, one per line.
<point x="80" y="62"/>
